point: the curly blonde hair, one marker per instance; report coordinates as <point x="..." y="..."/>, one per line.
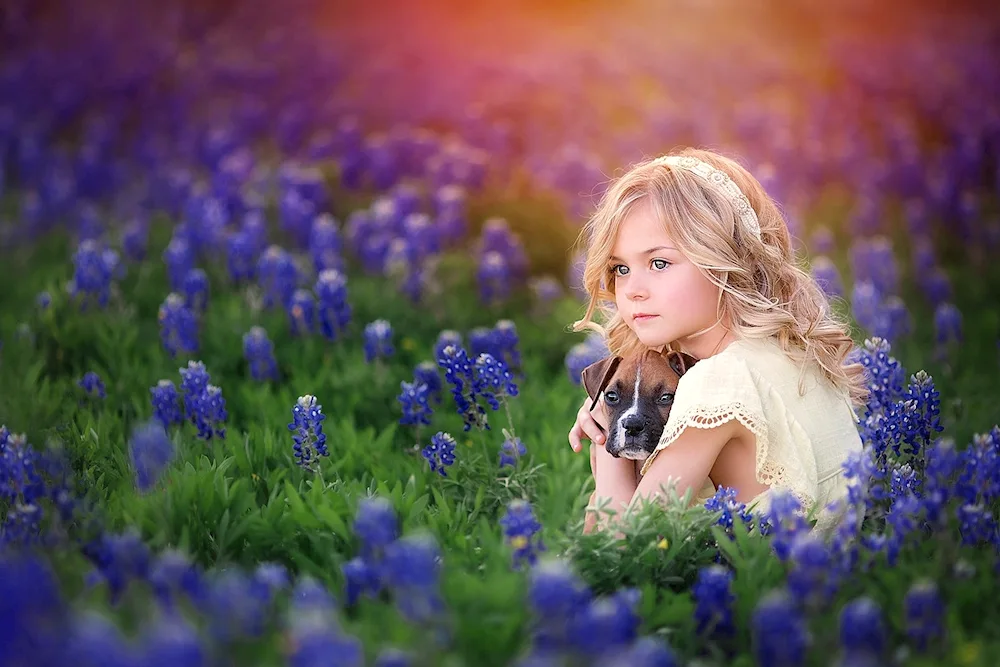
<point x="763" y="290"/>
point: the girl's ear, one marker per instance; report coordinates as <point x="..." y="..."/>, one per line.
<point x="596" y="376"/>
<point x="680" y="363"/>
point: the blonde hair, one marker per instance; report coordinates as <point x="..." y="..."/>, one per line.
<point x="763" y="290"/>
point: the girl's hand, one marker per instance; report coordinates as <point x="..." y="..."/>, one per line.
<point x="589" y="425"/>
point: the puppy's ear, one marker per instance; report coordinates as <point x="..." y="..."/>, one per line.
<point x="680" y="363"/>
<point x="596" y="376"/>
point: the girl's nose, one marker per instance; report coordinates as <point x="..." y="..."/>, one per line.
<point x="636" y="289"/>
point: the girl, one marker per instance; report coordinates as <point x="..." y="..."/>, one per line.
<point x="687" y="252"/>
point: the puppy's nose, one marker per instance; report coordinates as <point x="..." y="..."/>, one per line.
<point x="633" y="424"/>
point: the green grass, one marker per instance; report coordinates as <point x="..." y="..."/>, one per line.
<point x="241" y="500"/>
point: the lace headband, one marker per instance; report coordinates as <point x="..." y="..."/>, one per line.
<point x="721" y="181"/>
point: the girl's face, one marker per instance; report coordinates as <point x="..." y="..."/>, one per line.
<point x="661" y="295"/>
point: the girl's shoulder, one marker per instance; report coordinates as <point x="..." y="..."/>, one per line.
<point x="761" y="364"/>
<point x="747" y="362"/>
<point x="763" y="355"/>
<point x="738" y="356"/>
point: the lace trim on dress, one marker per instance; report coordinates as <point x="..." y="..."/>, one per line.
<point x="767" y="471"/>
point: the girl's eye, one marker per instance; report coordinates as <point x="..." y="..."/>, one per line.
<point x="660" y="264"/>
<point x="619" y="269"/>
<point x="611" y="397"/>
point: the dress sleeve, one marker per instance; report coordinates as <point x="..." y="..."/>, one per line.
<point x="722" y="388"/>
<point x="713" y="392"/>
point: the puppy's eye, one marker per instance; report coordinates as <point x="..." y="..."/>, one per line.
<point x="665" y="399"/>
<point x="611" y="397"/>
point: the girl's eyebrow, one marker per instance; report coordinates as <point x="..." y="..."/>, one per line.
<point x="649" y="252"/>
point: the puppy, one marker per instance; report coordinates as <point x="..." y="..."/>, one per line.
<point x="638" y="392"/>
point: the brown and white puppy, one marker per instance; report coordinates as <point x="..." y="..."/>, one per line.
<point x="638" y="391"/>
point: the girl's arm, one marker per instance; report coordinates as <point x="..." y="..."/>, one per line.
<point x="614" y="479"/>
<point x="688" y="460"/>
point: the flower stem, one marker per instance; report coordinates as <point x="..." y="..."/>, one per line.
<point x="510" y="420"/>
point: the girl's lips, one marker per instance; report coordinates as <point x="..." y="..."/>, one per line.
<point x="643" y="318"/>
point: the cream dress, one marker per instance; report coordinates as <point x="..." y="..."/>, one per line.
<point x="802" y="438"/>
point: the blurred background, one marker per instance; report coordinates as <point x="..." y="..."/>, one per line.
<point x="875" y="125"/>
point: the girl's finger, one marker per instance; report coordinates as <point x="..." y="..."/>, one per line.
<point x="574" y="438"/>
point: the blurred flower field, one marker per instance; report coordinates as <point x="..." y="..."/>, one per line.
<point x="285" y="356"/>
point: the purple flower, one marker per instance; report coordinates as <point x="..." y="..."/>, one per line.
<point x="724" y="501"/>
<point x="511" y="452"/>
<point x="494" y="278"/>
<point x="492" y="378"/>
<point x="497" y="237"/>
<point x="413" y="399"/>
<point x="445" y="338"/>
<point x="376" y="526"/>
<point x="391" y="657"/>
<point x="166" y="403"/>
<point x="713" y="596"/>
<point x="259" y="353"/>
<point x="302" y="312"/>
<point x="307" y="425"/>
<point x="866" y="306"/>
<point x="779" y="631"/>
<point x="178" y="326"/>
<point x="171" y="640"/>
<point x="332" y="305"/>
<point x="947" y="324"/>
<point x="555" y="591"/>
<point x="241" y="257"/>
<point x="316" y="639"/>
<point x="458" y="372"/>
<point x="936" y="286"/>
<point x="783" y="522"/>
<point x="325" y="244"/>
<point x="119" y="559"/>
<point x="94" y="269"/>
<point x="872" y="260"/>
<point x="94" y="640"/>
<point x="412" y="570"/>
<point x="862" y="629"/>
<point x="440" y="454"/>
<point x="360" y="579"/>
<point x="378" y="341"/>
<point x="923" y="614"/>
<point x="811" y="580"/>
<point x="426" y="372"/>
<point x="506" y="338"/>
<point x="196" y="290"/>
<point x="150" y="451"/>
<point x="581" y="355"/>
<point x="179" y="258"/>
<point x="277" y="276"/>
<point x="236" y="606"/>
<point x="606" y="624"/>
<point x="644" y="652"/>
<point x="203" y="402"/>
<point x="135" y="239"/>
<point x="545" y="289"/>
<point x="450" y="204"/>
<point x="422" y="236"/>
<point x="827" y="276"/>
<point x="92" y="384"/>
<point x="522" y="532"/>
<point x="173" y="573"/>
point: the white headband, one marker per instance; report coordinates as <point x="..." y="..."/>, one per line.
<point x="721" y="181"/>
